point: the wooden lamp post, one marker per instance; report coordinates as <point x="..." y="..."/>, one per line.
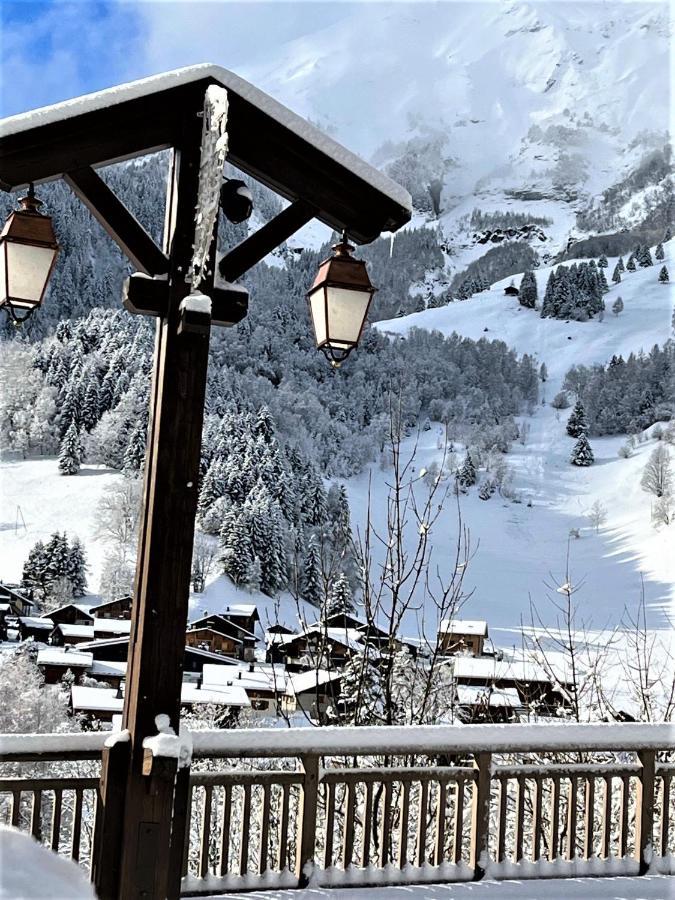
<point x="140" y="835"/>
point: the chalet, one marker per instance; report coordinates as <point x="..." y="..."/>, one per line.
<point x="511" y="290"/>
<point x="462" y="636"/>
<point x="208" y="638"/>
<point x="231" y="628"/>
<point x="111" y="628"/>
<point x="265" y="685"/>
<point x="113" y="609"/>
<point x="71" y="634"/>
<point x="313" y="692"/>
<point x="319" y="645"/>
<point x="55" y="662"/>
<point x="488" y="704"/>
<point x="108" y="672"/>
<point x="117" y="649"/>
<point x="33" y="627"/>
<point x="70" y="614"/>
<point x="275" y="636"/>
<point x="20" y="603"/>
<point x="244" y="614"/>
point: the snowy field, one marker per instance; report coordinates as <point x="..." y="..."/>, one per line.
<point x="522" y="548"/>
<point x="649" y="887"/>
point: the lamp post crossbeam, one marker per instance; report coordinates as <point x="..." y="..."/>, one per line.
<point x="256" y="247"/>
<point x="120" y="224"/>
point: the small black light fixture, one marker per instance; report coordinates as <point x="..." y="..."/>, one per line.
<point x="339" y="300"/>
<point x="236" y="200"/>
<point x="28" y="250"/>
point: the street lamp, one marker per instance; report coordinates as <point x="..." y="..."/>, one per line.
<point x="339" y="300"/>
<point x="28" y="251"/>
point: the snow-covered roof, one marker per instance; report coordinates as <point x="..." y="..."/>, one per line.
<point x="95" y="699"/>
<point x="262" y="678"/>
<point x="35" y="622"/>
<point x="464" y="626"/>
<point x="240" y="609"/>
<point x="112" y="626"/>
<point x="492" y="669"/>
<point x="471" y="695"/>
<point x="73" y="631"/>
<point x="300" y="682"/>
<point x="228" y="695"/>
<point x="56" y="656"/>
<point x="81" y="607"/>
<point x="107" y="667"/>
<point x="262" y="101"/>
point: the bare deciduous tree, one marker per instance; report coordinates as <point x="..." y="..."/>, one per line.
<point x="657" y="477"/>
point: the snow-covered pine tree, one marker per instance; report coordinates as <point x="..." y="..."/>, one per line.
<point x="602" y="281"/>
<point x="645" y="258"/>
<point x="236" y="549"/>
<point x="616" y="274"/>
<point x="577" y="423"/>
<point x="70" y="454"/>
<point x="420" y="304"/>
<point x="312" y="581"/>
<point x="630" y="265"/>
<point x="487" y="489"/>
<point x="34" y="569"/>
<point x="90" y="405"/>
<point x="339" y="596"/>
<point x="264" y="426"/>
<point x="527" y="294"/>
<point x="548" y="306"/>
<point x="620" y="265"/>
<point x="76" y="571"/>
<point x="658" y="253"/>
<point x="57" y="552"/>
<point x="664" y="278"/>
<point x="582" y="454"/>
<point x="134" y="455"/>
<point x="602" y="262"/>
<point x="543" y="372"/>
<point x="466" y="476"/>
<point x="617" y="306"/>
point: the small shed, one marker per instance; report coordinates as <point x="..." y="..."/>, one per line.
<point x="511" y="290"/>
<point x="462" y="636"/>
<point x="33" y="627"/>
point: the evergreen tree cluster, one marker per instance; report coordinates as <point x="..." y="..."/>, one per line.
<point x="575" y="292"/>
<point x="51" y="567"/>
<point x="499" y="262"/>
<point x="626" y="395"/>
<point x="481" y="220"/>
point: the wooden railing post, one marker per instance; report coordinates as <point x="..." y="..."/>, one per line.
<point x="480" y="816"/>
<point x="644" y="812"/>
<point x="108" y="830"/>
<point x="306" y="840"/>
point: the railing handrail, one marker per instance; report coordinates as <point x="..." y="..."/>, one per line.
<point x="365" y="740"/>
<point x="433" y="739"/>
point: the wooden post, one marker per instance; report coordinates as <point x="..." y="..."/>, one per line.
<point x="306" y="839"/>
<point x="107" y="845"/>
<point x="480" y="816"/>
<point x="159" y="613"/>
<point x="644" y="812"/>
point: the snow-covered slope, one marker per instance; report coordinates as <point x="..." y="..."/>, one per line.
<point x="522" y="548"/>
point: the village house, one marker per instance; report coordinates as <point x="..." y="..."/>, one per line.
<point x="215" y="641"/>
<point x="243" y="614"/>
<point x="462" y="636"/>
<point x="55" y="662"/>
<point x="71" y="634"/>
<point x="70" y="614"/>
<point x="111" y="628"/>
<point x="34" y="627"/>
<point x="20" y="603"/>
<point x="113" y="609"/>
<point x="5" y="610"/>
<point x="228" y="627"/>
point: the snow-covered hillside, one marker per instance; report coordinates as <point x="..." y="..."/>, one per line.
<point x="522" y="548"/>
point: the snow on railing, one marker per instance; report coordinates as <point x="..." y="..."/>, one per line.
<point x="361" y="806"/>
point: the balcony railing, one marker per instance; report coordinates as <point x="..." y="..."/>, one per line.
<point x="273" y="807"/>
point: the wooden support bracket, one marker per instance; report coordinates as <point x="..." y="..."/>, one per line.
<point x="256" y="247"/>
<point x="112" y="214"/>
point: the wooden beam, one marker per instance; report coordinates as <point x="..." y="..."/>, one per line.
<point x="112" y="214"/>
<point x="150" y="297"/>
<point x="256" y="247"/>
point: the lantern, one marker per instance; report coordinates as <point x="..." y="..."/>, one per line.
<point x="338" y="301"/>
<point x="28" y="251"/>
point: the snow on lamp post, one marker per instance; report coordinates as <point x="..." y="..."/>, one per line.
<point x="28" y="250"/>
<point x="339" y="300"/>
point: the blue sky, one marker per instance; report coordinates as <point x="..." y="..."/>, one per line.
<point x="57" y="49"/>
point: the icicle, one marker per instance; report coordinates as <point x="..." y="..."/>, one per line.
<point x="391" y="244"/>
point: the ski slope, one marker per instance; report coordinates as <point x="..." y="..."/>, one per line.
<point x="521" y="548"/>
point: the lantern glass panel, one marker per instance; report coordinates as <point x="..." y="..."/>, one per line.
<point x="346" y="311"/>
<point x="26" y="275"/>
<point x="317" y="302"/>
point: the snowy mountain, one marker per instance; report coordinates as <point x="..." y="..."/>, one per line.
<point x="532" y="101"/>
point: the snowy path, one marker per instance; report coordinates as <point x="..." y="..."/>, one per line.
<point x="645" y="888"/>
